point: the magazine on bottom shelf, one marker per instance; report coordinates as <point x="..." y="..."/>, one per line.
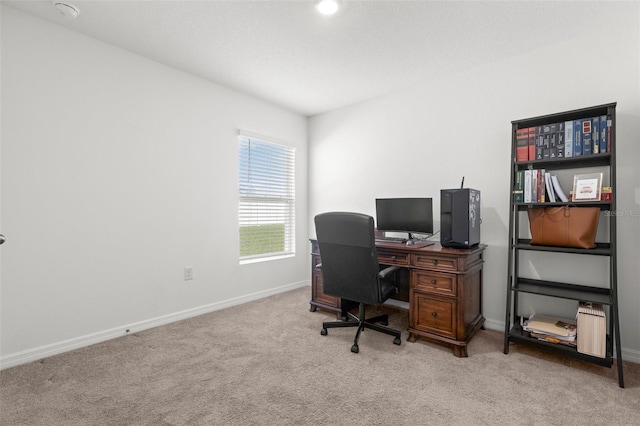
<point x="551" y="329"/>
<point x="551" y="339"/>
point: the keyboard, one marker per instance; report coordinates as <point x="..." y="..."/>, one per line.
<point x="391" y="239"/>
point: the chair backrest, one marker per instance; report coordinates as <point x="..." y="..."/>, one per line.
<point x="349" y="258"/>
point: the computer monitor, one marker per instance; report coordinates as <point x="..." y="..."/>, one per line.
<point x="411" y="215"/>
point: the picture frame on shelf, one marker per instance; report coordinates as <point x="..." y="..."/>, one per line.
<point x="587" y="187"/>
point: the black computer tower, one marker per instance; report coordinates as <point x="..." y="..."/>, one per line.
<point x="459" y="217"/>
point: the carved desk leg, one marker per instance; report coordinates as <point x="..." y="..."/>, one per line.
<point x="460" y="351"/>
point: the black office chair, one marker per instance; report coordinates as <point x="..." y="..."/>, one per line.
<point x="350" y="270"/>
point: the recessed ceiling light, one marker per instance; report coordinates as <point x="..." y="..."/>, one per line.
<point x="67" y="10"/>
<point x="327" y="7"/>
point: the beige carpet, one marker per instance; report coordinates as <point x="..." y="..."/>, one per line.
<point x="265" y="363"/>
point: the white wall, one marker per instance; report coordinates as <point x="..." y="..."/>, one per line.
<point x="117" y="172"/>
<point x="423" y="139"/>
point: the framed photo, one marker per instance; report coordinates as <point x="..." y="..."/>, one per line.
<point x="587" y="187"/>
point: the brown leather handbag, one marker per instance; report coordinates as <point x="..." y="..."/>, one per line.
<point x="564" y="226"/>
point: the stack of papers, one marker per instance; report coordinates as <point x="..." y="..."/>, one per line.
<point x="552" y="329"/>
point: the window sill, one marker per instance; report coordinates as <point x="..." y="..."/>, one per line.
<point x="266" y="258"/>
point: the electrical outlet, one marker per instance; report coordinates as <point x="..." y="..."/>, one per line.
<point x="188" y="273"/>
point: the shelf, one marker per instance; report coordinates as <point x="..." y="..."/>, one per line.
<point x="602" y="205"/>
<point x="603" y="109"/>
<point x="563" y="290"/>
<point x="593" y="160"/>
<point x="601" y="249"/>
<point x="518" y="335"/>
<point x="538" y="141"/>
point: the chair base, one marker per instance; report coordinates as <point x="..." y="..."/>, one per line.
<point x="362" y="323"/>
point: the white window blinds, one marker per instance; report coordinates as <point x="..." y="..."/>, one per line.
<point x="266" y="211"/>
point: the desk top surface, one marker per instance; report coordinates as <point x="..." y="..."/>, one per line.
<point x="433" y="248"/>
<point x="436" y="247"/>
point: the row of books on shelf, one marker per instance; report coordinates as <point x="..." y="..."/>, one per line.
<point x="571" y="138"/>
<point x="587" y="333"/>
<point x="539" y="186"/>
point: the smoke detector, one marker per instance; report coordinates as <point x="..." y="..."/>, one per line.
<point x="66" y="9"/>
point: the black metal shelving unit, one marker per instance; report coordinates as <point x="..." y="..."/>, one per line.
<point x="518" y="284"/>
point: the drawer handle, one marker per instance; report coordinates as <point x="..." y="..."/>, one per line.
<point x="435" y="262"/>
<point x="433" y="282"/>
<point x="434" y="314"/>
<point x="393" y="258"/>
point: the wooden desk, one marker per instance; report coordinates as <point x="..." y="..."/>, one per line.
<point x="445" y="291"/>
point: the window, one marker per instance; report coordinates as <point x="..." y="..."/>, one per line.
<point x="266" y="210"/>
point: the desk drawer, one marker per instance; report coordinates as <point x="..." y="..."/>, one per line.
<point x="430" y="261"/>
<point x="317" y="292"/>
<point x="433" y="315"/>
<point x="392" y="258"/>
<point x="434" y="282"/>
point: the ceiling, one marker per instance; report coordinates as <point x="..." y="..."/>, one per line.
<point x="288" y="54"/>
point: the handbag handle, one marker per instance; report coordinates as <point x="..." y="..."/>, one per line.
<point x="551" y="212"/>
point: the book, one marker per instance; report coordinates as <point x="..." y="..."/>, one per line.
<point x="609" y="141"/>
<point x="539" y="143"/>
<point x="577" y="138"/>
<point x="558" y="189"/>
<point x="553" y="140"/>
<point x="540" y="186"/>
<point x="546" y="140"/>
<point x="586" y="137"/>
<point x="522" y="145"/>
<point x="532" y="143"/>
<point x="534" y="185"/>
<point x="549" y="186"/>
<point x="603" y="133"/>
<point x="595" y="135"/>
<point x="568" y="138"/>
<point x="560" y="143"/>
<point x="527" y="186"/>
<point x="518" y="187"/>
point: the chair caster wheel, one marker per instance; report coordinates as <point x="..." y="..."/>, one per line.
<point x="397" y="341"/>
<point x="323" y="331"/>
<point x="355" y="349"/>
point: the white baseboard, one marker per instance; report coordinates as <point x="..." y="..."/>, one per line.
<point x="630" y="355"/>
<point x="41" y="352"/>
<point x="494" y="325"/>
